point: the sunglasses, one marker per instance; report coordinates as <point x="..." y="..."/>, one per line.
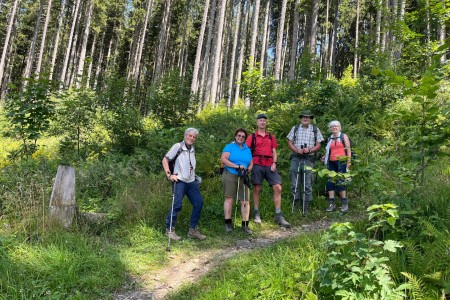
<point x="240" y="136"/>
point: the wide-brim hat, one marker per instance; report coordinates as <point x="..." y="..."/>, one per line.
<point x="306" y="113"/>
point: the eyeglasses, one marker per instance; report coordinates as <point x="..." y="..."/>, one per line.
<point x="240" y="136"/>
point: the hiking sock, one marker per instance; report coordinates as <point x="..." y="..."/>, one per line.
<point x="227" y="221"/>
<point x="344" y="201"/>
<point x="278" y="210"/>
<point x="255" y="211"/>
<point x="244" y="223"/>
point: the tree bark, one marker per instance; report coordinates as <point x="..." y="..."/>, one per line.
<point x="313" y="36"/>
<point x="355" y="61"/>
<point x="334" y="40"/>
<point x="255" y="20"/>
<point x="137" y="67"/>
<point x="183" y="39"/>
<point x="378" y="24"/>
<point x="44" y="37"/>
<point x="241" y="54"/>
<point x="198" y="55"/>
<point x="69" y="42"/>
<point x="56" y="43"/>
<point x="31" y="52"/>
<point x="6" y="43"/>
<point x="231" y="82"/>
<point x="265" y="38"/>
<point x="62" y="200"/>
<point x="279" y="44"/>
<point x="162" y="41"/>
<point x="294" y="45"/>
<point x="217" y="52"/>
<point x="91" y="62"/>
<point x="87" y="27"/>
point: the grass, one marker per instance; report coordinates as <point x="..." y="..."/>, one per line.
<point x="282" y="271"/>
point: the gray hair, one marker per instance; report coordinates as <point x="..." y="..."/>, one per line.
<point x="191" y="130"/>
<point x="334" y="123"/>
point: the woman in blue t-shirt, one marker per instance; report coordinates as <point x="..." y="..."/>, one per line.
<point x="237" y="160"/>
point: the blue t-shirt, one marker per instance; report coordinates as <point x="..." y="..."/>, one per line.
<point x="238" y="156"/>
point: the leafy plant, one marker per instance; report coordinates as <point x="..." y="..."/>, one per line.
<point x="356" y="266"/>
<point x="29" y="110"/>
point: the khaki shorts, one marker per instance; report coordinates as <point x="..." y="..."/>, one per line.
<point x="230" y="183"/>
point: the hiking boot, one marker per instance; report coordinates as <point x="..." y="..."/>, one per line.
<point x="172" y="235"/>
<point x="228" y="227"/>
<point x="344" y="208"/>
<point x="280" y="220"/>
<point x="247" y="230"/>
<point x="194" y="233"/>
<point x="331" y="207"/>
<point x="257" y="219"/>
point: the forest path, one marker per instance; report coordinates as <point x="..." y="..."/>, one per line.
<point x="183" y="270"/>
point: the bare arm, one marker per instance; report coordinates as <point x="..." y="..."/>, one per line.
<point x="170" y="176"/>
<point x="225" y="159"/>
<point x="348" y="149"/>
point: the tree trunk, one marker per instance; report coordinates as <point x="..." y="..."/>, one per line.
<point x="217" y="52"/>
<point x="334" y="40"/>
<point x="378" y="24"/>
<point x="241" y="53"/>
<point x="87" y="27"/>
<point x="442" y="33"/>
<point x="62" y="200"/>
<point x="355" y="61"/>
<point x="279" y="44"/>
<point x="313" y="36"/>
<point x="183" y="39"/>
<point x="69" y="42"/>
<point x="198" y="55"/>
<point x="255" y="20"/>
<point x="294" y="45"/>
<point x="99" y="62"/>
<point x="233" y="52"/>
<point x="73" y="53"/>
<point x="56" y="43"/>
<point x="207" y="54"/>
<point x="91" y="62"/>
<point x="32" y="50"/>
<point x="137" y="67"/>
<point x="265" y="38"/>
<point x="6" y="43"/>
<point x="162" y="41"/>
<point x="44" y="37"/>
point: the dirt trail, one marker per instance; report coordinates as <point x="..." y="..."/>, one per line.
<point x="183" y="270"/>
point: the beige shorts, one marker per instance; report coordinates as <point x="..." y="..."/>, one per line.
<point x="230" y="185"/>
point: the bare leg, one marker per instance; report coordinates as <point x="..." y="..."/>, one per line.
<point x="245" y="210"/>
<point x="227" y="207"/>
<point x="256" y="193"/>
<point x="277" y="195"/>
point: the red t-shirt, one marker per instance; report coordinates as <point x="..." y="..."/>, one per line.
<point x="263" y="148"/>
<point x="337" y="150"/>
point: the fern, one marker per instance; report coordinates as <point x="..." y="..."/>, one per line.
<point x="416" y="286"/>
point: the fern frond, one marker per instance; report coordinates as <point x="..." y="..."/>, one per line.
<point x="416" y="286"/>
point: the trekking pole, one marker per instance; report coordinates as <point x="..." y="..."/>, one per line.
<point x="304" y="180"/>
<point x="296" y="184"/>
<point x="237" y="196"/>
<point x="174" y="184"/>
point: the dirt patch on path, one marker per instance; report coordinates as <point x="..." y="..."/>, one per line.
<point x="181" y="270"/>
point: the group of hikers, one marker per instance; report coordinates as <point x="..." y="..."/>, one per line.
<point x="256" y="154"/>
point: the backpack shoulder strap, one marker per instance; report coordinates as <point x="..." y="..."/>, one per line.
<point x="315" y="134"/>
<point x="295" y="132"/>
<point x="253" y="146"/>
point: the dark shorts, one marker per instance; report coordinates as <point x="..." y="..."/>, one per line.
<point x="259" y="173"/>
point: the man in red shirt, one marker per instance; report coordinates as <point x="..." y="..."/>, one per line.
<point x="264" y="151"/>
